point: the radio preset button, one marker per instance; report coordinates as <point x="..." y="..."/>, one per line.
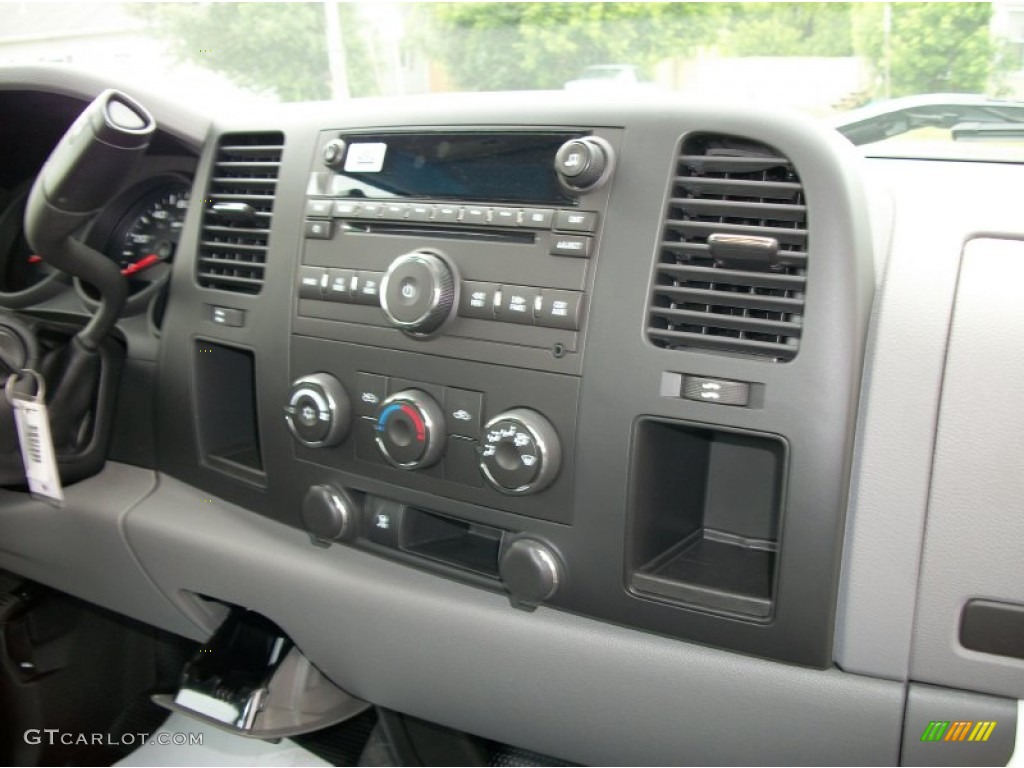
<point x="504" y="217"/>
<point x="366" y="288"/>
<point x="446" y="213"/>
<point x="477" y="300"/>
<point x="474" y="214"/>
<point x="420" y="212"/>
<point x="346" y="208"/>
<point x="318" y="230"/>
<point x="536" y="218"/>
<point x="339" y="285"/>
<point x="312" y="281"/>
<point x="319" y="208"/>
<point x="517" y="304"/>
<point x="576" y="221"/>
<point x="395" y="211"/>
<point x="559" y="309"/>
<point x="571" y="245"/>
<point x="370" y="210"/>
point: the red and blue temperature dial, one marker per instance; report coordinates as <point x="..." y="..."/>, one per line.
<point x="410" y="429"/>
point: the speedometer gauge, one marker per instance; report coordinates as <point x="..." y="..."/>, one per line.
<point x="148" y="235"/>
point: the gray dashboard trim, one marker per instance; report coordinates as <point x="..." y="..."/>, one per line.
<point x="975" y="529"/>
<point x="546" y="680"/>
<point x="900" y="400"/>
<point x="80" y="549"/>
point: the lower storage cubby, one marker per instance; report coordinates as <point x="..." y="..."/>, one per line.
<point x="705" y="511"/>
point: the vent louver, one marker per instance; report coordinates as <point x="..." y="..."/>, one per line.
<point x="749" y="301"/>
<point x="238" y="210"/>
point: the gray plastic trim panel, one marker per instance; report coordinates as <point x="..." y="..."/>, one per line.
<point x="900" y="404"/>
<point x="548" y="681"/>
<point x="80" y="548"/>
<point x="975" y="530"/>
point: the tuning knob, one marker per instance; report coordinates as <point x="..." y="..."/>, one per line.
<point x="410" y="429"/>
<point x="584" y="164"/>
<point x="318" y="412"/>
<point x="334" y="153"/>
<point x="418" y="292"/>
<point x="329" y="513"/>
<point x="520" y="452"/>
<point x="531" y="571"/>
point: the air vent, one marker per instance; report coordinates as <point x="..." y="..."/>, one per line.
<point x="237" y="213"/>
<point x="733" y="258"/>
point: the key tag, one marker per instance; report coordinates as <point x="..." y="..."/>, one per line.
<point x="33" y="422"/>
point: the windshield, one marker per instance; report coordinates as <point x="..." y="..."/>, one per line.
<point x="853" y="65"/>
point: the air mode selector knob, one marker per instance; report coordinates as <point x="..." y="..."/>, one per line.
<point x="418" y="292"/>
<point x="318" y="412"/>
<point x="520" y="452"/>
<point x="410" y="429"/>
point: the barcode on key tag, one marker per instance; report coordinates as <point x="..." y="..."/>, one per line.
<point x="33" y="422"/>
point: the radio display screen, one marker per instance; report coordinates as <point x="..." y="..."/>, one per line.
<point x="479" y="166"/>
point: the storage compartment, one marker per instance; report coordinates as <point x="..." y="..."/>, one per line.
<point x="225" y="398"/>
<point x="453" y="542"/>
<point x="705" y="508"/>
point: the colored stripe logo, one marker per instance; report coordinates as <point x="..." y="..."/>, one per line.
<point x="958" y="730"/>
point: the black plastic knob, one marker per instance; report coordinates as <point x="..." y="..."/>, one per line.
<point x="410" y="429"/>
<point x="319" y="412"/>
<point x="329" y="513"/>
<point x="531" y="572"/>
<point x="520" y="452"/>
<point x="418" y="292"/>
<point x="334" y="153"/>
<point x="584" y="164"/>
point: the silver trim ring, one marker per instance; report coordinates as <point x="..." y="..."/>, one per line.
<point x="437" y="267"/>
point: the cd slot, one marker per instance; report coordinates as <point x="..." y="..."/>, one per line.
<point x="453" y="233"/>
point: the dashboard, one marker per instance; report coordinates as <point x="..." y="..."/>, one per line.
<point x="541" y="418"/>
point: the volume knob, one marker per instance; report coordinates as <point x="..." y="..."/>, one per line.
<point x="418" y="292"/>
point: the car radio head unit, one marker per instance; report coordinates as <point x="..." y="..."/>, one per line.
<point x="484" y="167"/>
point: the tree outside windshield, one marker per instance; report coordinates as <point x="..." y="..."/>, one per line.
<point x="821" y="58"/>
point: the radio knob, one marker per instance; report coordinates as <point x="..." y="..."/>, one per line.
<point x="318" y="412"/>
<point x="418" y="292"/>
<point x="584" y="164"/>
<point x="520" y="452"/>
<point x="334" y="153"/>
<point x="410" y="429"/>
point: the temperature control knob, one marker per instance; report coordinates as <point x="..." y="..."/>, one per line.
<point x="418" y="292"/>
<point x="520" y="452"/>
<point x="410" y="429"/>
<point x="318" y="412"/>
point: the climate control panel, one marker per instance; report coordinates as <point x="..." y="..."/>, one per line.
<point x="459" y="429"/>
